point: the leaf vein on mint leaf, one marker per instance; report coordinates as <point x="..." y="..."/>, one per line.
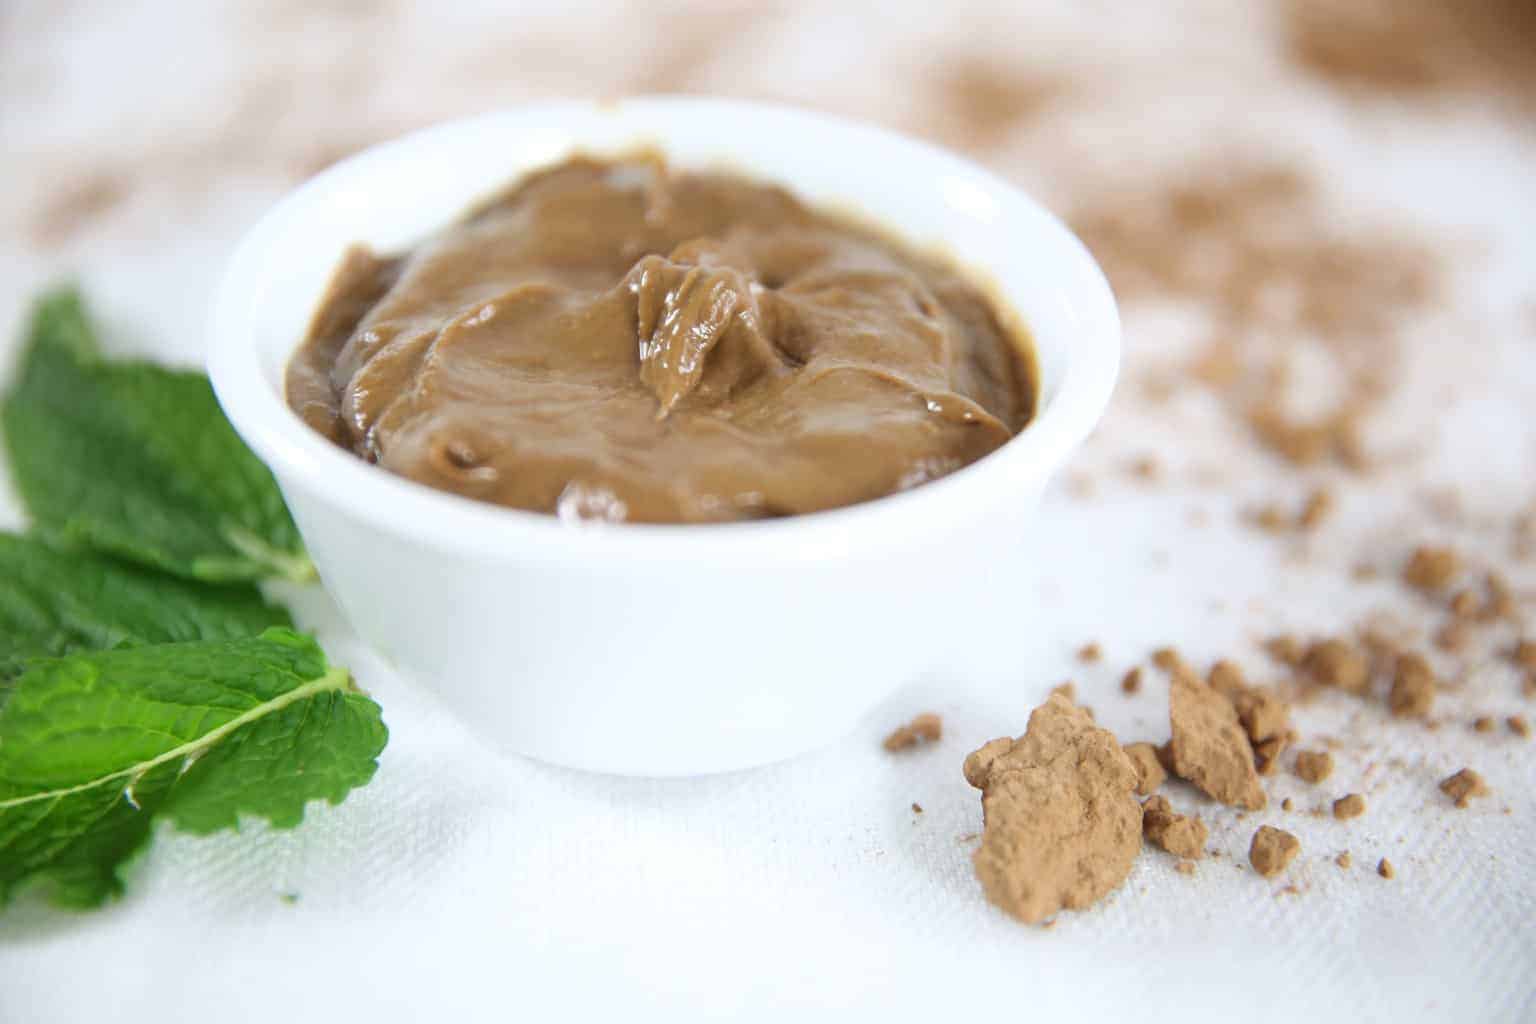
<point x="96" y="745"/>
<point x="55" y="602"/>
<point x="139" y="461"/>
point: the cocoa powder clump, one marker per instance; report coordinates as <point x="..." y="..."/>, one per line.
<point x="1062" y="825"/>
<point x="925" y="728"/>
<point x="1465" y="604"/>
<point x="1385" y="869"/>
<point x="1226" y="678"/>
<point x="1313" y="766"/>
<point x="1413" y="687"/>
<point x="1431" y="568"/>
<point x="1266" y="753"/>
<point x="1181" y="835"/>
<point x="1286" y="649"/>
<point x="1318" y="507"/>
<point x="1150" y="772"/>
<point x="1131" y="682"/>
<point x="1347" y="807"/>
<point x="1210" y="748"/>
<point x="1454" y="636"/>
<point x="1272" y="850"/>
<point x="1463" y="786"/>
<point x="1519" y="726"/>
<point x="1337" y="663"/>
<point x="1171" y="661"/>
<point x="1264" y="716"/>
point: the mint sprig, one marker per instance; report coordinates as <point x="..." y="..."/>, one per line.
<point x="54" y="603"/>
<point x="143" y="677"/>
<point x="137" y="460"/>
<point x="94" y="747"/>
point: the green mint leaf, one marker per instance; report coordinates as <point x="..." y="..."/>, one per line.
<point x="54" y="603"/>
<point x="96" y="746"/>
<point x="138" y="461"/>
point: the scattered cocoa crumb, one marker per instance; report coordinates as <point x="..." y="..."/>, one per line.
<point x="1287" y="804"/>
<point x="1089" y="653"/>
<point x="982" y="99"/>
<point x="1272" y="850"/>
<point x="1061" y="822"/>
<point x="1519" y="726"/>
<point x="1185" y="867"/>
<point x="917" y="808"/>
<point x="1264" y="715"/>
<point x="1413" y="687"/>
<point x="1528" y="685"/>
<point x="1385" y="869"/>
<point x="1271" y="518"/>
<point x="1210" y="748"/>
<point x="1411" y="49"/>
<point x="1463" y="786"/>
<point x="1258" y="247"/>
<point x="1482" y="723"/>
<point x="1307" y="443"/>
<point x="1524" y="655"/>
<point x="1350" y="806"/>
<point x="925" y="728"/>
<point x="1146" y="467"/>
<point x="1150" y="772"/>
<point x="1454" y="636"/>
<point x="1181" y="835"/>
<point x="78" y="205"/>
<point x="1227" y="679"/>
<point x="1313" y="766"/>
<point x="1169" y="660"/>
<point x="1344" y="860"/>
<point x="1131" y="682"/>
<point x="1318" y="507"/>
<point x="1337" y="663"/>
<point x="1431" y="568"/>
<point x="1286" y="649"/>
<point x="1081" y="486"/>
<point x="1266" y="753"/>
<point x="1465" y="604"/>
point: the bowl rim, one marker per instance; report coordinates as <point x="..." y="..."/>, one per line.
<point x="409" y="509"/>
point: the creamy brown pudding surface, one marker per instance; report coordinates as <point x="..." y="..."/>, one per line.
<point x="617" y="341"/>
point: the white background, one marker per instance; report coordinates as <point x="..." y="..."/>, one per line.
<point x="465" y="884"/>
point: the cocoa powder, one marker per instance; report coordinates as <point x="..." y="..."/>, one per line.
<point x="1181" y="835"/>
<point x="1347" y="807"/>
<point x="1313" y="766"/>
<point x="925" y="728"/>
<point x="1150" y="773"/>
<point x="1413" y="687"/>
<point x="1210" y="748"/>
<point x="1272" y="850"/>
<point x="1463" y="786"/>
<point x="1062" y="825"/>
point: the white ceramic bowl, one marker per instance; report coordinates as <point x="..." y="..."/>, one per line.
<point x="662" y="650"/>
